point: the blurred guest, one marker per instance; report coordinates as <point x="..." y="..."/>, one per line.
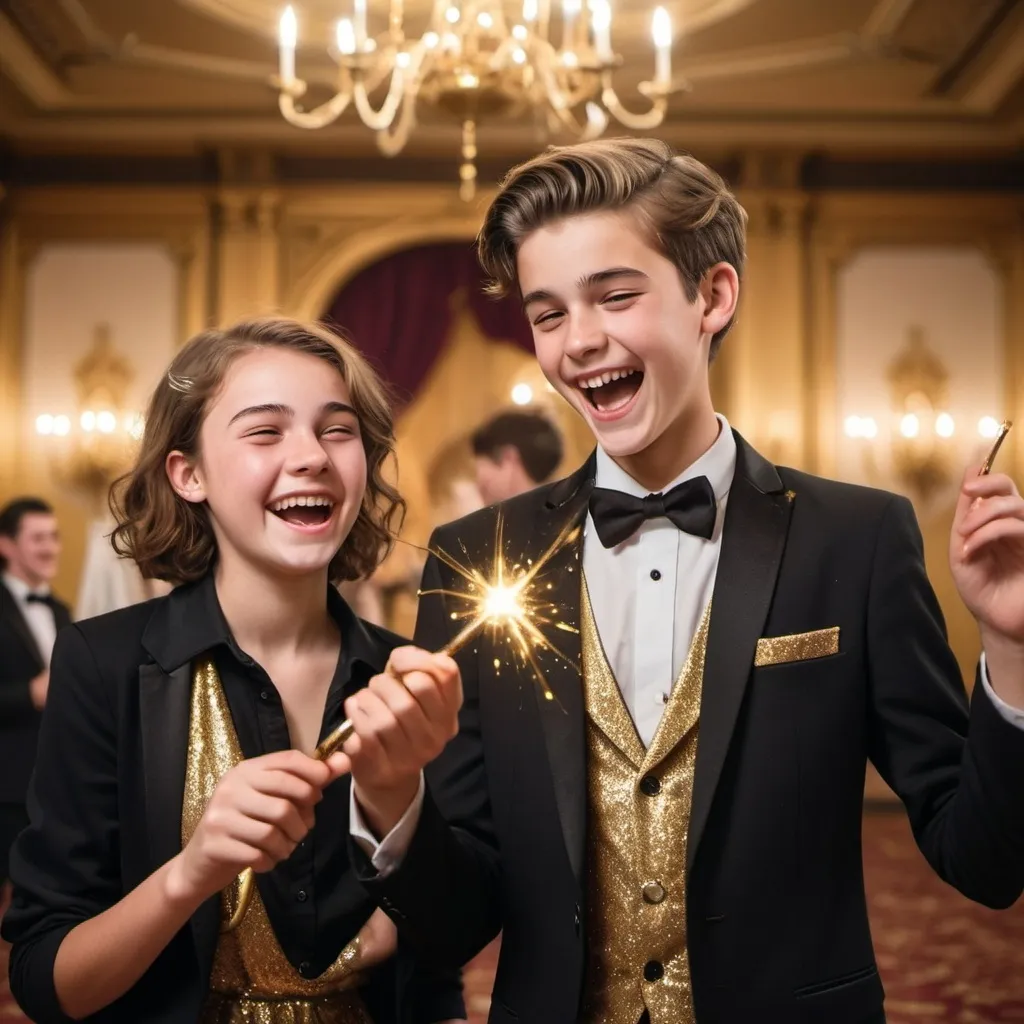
<point x="514" y="452"/>
<point x="29" y="619"/>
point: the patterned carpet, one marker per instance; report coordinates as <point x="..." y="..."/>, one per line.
<point x="943" y="960"/>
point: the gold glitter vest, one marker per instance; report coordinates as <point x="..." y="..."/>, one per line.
<point x="252" y="981"/>
<point x="636" y="843"/>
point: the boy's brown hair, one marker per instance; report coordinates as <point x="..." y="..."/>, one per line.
<point x="684" y="208"/>
<point x="172" y="539"/>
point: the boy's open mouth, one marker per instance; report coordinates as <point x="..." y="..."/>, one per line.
<point x="612" y="389"/>
<point x="303" y="509"/>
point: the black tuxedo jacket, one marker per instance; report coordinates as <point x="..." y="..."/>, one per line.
<point x="20" y="662"/>
<point x="117" y="721"/>
<point x="777" y="918"/>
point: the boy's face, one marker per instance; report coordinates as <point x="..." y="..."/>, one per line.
<point x="613" y="330"/>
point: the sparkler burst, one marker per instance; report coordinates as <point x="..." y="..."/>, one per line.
<point x="508" y="599"/>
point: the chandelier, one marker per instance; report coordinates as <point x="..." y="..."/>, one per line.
<point x="474" y="64"/>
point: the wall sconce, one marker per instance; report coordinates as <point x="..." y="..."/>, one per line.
<point x="920" y="439"/>
<point x="89" y="449"/>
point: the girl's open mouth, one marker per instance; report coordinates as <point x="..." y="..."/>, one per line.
<point x="303" y="511"/>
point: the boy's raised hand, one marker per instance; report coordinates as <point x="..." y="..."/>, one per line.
<point x="403" y="719"/>
<point x="986" y="556"/>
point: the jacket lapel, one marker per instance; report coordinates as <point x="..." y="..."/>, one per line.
<point x="164" y="719"/>
<point x="754" y="535"/>
<point x="558" y="689"/>
<point x="12" y="612"/>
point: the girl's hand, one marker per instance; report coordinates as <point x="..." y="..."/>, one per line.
<point x="378" y="940"/>
<point x="259" y="812"/>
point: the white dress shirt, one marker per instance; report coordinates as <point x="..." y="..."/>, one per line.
<point x="39" y="616"/>
<point x="648" y="595"/>
<point x="649" y="592"/>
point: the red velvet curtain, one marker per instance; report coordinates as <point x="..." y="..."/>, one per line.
<point x="398" y="311"/>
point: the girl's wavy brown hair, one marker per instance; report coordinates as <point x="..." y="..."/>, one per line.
<point x="172" y="539"/>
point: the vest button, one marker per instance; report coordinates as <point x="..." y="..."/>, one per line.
<point x="653" y="971"/>
<point x="306" y="969"/>
<point x="655" y="575"/>
<point x="650" y="785"/>
<point x="653" y="892"/>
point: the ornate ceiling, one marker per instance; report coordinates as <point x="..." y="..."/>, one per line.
<point x="870" y="75"/>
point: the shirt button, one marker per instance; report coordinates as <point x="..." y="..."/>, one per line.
<point x="650" y="785"/>
<point x="653" y="971"/>
<point x="653" y="892"/>
<point x="655" y="575"/>
<point x="306" y="969"/>
<point x="301" y="896"/>
<point x="264" y="695"/>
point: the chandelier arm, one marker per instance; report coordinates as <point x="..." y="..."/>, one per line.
<point x="378" y="120"/>
<point x="642" y="122"/>
<point x="558" y="100"/>
<point x="392" y="139"/>
<point x="319" y="117"/>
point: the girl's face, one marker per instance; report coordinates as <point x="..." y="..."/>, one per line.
<point x="281" y="467"/>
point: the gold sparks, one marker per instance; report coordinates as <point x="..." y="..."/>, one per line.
<point x="508" y="600"/>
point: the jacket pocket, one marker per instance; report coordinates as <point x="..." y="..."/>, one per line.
<point x="824" y="987"/>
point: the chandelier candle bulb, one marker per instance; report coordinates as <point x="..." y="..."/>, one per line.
<point x="359" y="23"/>
<point x="288" y="33"/>
<point x="601" y="21"/>
<point x="570" y="12"/>
<point x="661" y="32"/>
<point x="346" y="37"/>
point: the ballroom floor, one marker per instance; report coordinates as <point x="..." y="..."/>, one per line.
<point x="943" y="960"/>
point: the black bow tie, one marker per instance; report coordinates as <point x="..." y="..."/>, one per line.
<point x="46" y="599"/>
<point x="690" y="506"/>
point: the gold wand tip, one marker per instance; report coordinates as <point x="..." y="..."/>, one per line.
<point x="1004" y="429"/>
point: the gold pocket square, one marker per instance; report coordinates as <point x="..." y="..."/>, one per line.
<point x="777" y="650"/>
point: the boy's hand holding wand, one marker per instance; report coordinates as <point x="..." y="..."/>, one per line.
<point x="986" y="556"/>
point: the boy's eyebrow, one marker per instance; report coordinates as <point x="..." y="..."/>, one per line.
<point x="587" y="281"/>
<point x="275" y="409"/>
<point x="600" y="276"/>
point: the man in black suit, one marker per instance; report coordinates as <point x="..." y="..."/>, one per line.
<point x="668" y="829"/>
<point x="30" y="617"/>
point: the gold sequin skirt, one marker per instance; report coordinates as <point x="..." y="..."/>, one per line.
<point x="330" y="1008"/>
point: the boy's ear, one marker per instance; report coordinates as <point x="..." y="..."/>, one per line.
<point x="720" y="290"/>
<point x="184" y="477"/>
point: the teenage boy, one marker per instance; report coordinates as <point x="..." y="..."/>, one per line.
<point x="672" y="833"/>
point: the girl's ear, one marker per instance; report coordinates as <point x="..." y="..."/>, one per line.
<point x="184" y="477"/>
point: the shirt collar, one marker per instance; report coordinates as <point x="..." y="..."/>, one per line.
<point x="718" y="464"/>
<point x="189" y="622"/>
<point x="20" y="589"/>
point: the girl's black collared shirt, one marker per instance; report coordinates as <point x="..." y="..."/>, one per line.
<point x="105" y="812"/>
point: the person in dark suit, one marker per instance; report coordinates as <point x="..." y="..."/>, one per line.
<point x="514" y="452"/>
<point x="30" y="617"/>
<point x="668" y="829"/>
<point x="176" y="748"/>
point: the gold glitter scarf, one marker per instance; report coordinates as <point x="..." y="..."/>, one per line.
<point x="252" y="981"/>
<point x="638" y="816"/>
